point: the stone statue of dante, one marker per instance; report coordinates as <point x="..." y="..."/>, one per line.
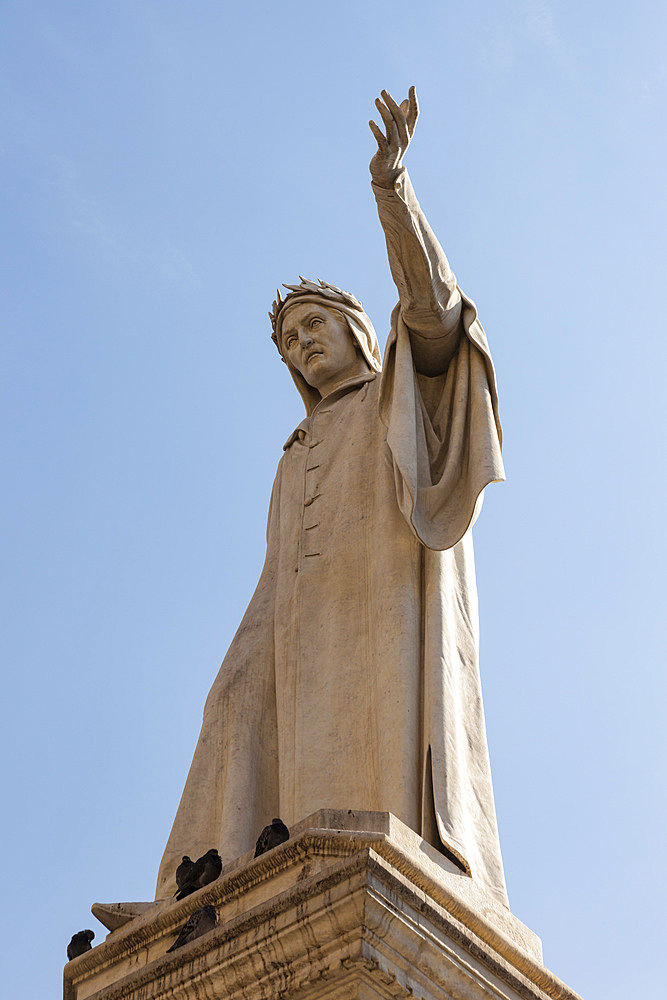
<point x="353" y="680"/>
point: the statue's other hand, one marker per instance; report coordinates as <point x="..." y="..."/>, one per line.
<point x="399" y="122"/>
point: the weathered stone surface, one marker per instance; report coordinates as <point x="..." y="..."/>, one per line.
<point x="353" y="679"/>
<point x="354" y="905"/>
<point x="115" y="915"/>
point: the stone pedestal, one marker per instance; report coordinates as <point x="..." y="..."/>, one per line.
<point x="354" y="905"/>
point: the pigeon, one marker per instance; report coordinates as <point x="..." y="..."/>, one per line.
<point x="79" y="944"/>
<point x="203" y="871"/>
<point x="271" y="836"/>
<point x="201" y="922"/>
<point x="212" y="867"/>
<point x="184" y="871"/>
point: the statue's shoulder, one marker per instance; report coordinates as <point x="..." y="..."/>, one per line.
<point x="298" y="434"/>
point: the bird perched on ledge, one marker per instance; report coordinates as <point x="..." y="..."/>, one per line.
<point x="192" y="875"/>
<point x="184" y="871"/>
<point x="79" y="944"/>
<point x="201" y="922"/>
<point x="271" y="836"/>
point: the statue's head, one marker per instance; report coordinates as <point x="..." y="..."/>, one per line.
<point x="324" y="336"/>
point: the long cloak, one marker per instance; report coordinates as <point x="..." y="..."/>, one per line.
<point x="353" y="680"/>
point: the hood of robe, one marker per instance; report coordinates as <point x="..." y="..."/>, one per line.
<point x="331" y="297"/>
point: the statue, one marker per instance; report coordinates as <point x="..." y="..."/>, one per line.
<point x="353" y="680"/>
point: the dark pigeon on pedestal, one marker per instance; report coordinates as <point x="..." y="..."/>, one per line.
<point x="271" y="836"/>
<point x="203" y="871"/>
<point x="184" y="871"/>
<point x="79" y="944"/>
<point x="201" y="922"/>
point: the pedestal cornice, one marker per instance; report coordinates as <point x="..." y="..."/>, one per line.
<point x="332" y="913"/>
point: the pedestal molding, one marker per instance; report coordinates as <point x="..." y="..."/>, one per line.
<point x="326" y="908"/>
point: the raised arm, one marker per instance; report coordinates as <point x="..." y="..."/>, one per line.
<point x="430" y="300"/>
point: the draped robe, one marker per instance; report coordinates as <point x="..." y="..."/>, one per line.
<point x="353" y="679"/>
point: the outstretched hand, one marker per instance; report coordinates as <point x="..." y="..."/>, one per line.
<point x="399" y="122"/>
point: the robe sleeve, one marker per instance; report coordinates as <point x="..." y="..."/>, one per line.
<point x="443" y="432"/>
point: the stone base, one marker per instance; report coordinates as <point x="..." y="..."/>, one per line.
<point x="354" y="905"/>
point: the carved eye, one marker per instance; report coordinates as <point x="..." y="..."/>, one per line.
<point x="316" y="321"/>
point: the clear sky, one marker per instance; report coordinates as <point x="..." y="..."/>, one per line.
<point x="164" y="166"/>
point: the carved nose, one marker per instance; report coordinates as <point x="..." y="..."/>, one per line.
<point x="306" y="339"/>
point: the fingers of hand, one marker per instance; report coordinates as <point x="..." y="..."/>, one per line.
<point x="389" y="123"/>
<point x="399" y="122"/>
<point x="398" y="117"/>
<point x="410" y="119"/>
<point x="379" y="135"/>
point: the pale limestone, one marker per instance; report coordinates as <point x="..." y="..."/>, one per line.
<point x="360" y="911"/>
<point x="353" y="680"/>
<point x="115" y="915"/>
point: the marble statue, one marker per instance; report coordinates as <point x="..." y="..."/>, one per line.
<point x="353" y="679"/>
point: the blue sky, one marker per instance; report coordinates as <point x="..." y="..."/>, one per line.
<point x="164" y="166"/>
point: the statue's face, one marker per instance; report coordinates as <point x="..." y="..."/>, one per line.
<point x="317" y="342"/>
